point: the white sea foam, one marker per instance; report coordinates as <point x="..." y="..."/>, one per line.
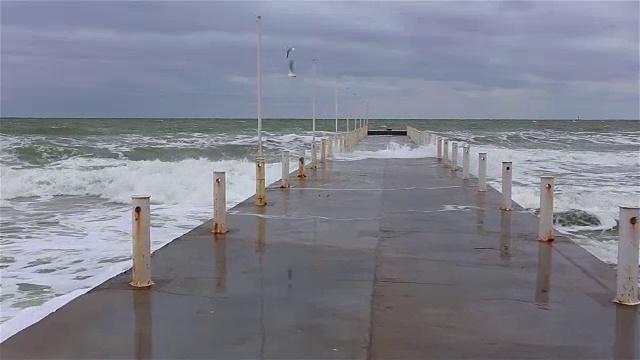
<point x="66" y="227"/>
<point x="585" y="180"/>
<point x="393" y="150"/>
<point x="65" y="244"/>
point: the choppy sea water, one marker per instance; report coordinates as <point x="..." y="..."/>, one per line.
<point x="65" y="185"/>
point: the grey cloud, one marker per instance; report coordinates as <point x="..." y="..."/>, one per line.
<point x="198" y="58"/>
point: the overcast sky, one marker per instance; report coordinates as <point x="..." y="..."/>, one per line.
<point x="448" y="59"/>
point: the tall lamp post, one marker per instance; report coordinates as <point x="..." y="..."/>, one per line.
<point x="260" y="171"/>
<point x="314" y="156"/>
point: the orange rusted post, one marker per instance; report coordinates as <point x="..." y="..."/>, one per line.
<point x="141" y="234"/>
<point x="301" y="173"/>
<point x="261" y="197"/>
<point x="219" y="203"/>
<point x="545" y="232"/>
<point x="628" y="244"/>
<point x="507" y="171"/>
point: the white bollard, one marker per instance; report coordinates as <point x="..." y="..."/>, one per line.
<point x="314" y="155"/>
<point x="285" y="169"/>
<point x="330" y="144"/>
<point x="465" y="162"/>
<point x="141" y="234"/>
<point x="454" y="156"/>
<point x="323" y="150"/>
<point x="545" y="232"/>
<point x="507" y="171"/>
<point x="261" y="197"/>
<point x="445" y="151"/>
<point x="220" y="203"/>
<point x="628" y="242"/>
<point x="301" y="173"/>
<point x="482" y="172"/>
<point x="439" y="147"/>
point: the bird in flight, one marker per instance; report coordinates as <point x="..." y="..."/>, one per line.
<point x="291" y="61"/>
<point x="289" y="50"/>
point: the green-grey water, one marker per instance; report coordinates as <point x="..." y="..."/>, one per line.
<point x="65" y="184"/>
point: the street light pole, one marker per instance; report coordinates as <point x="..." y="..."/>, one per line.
<point x="260" y="163"/>
<point x="259" y="21"/>
<point x="313" y="114"/>
<point x="336" y="100"/>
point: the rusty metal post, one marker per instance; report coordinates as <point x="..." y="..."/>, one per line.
<point x="545" y="232"/>
<point x="301" y="173"/>
<point x="445" y="152"/>
<point x="261" y="197"/>
<point x="314" y="156"/>
<point x="465" y="162"/>
<point x="219" y="203"/>
<point x="285" y="169"/>
<point x="628" y="242"/>
<point x="141" y="234"/>
<point x="454" y="156"/>
<point x="323" y="150"/>
<point x="482" y="172"/>
<point x="507" y="171"/>
<point x="439" y="147"/>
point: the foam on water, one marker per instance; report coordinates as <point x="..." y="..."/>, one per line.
<point x="66" y="226"/>
<point x="69" y="226"/>
<point x="392" y="151"/>
<point x="585" y="180"/>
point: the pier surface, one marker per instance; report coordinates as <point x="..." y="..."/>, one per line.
<point x="367" y="259"/>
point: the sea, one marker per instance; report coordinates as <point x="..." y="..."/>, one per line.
<point x="66" y="185"/>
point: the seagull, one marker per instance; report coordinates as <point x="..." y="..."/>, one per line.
<point x="290" y="50"/>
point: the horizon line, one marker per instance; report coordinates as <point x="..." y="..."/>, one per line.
<point x="291" y="118"/>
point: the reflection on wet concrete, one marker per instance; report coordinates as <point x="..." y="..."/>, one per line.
<point x="260" y="247"/>
<point x="505" y="235"/>
<point x="481" y="210"/>
<point x="543" y="280"/>
<point x="220" y="247"/>
<point x="627" y="335"/>
<point x="143" y="336"/>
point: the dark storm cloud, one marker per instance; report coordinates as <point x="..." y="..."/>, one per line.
<point x="410" y="59"/>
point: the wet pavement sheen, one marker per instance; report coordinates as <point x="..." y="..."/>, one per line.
<point x="369" y="259"/>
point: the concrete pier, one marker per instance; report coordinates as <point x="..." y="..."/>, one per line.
<point x="368" y="259"/>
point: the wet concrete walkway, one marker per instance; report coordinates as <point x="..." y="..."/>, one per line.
<point x="368" y="259"/>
